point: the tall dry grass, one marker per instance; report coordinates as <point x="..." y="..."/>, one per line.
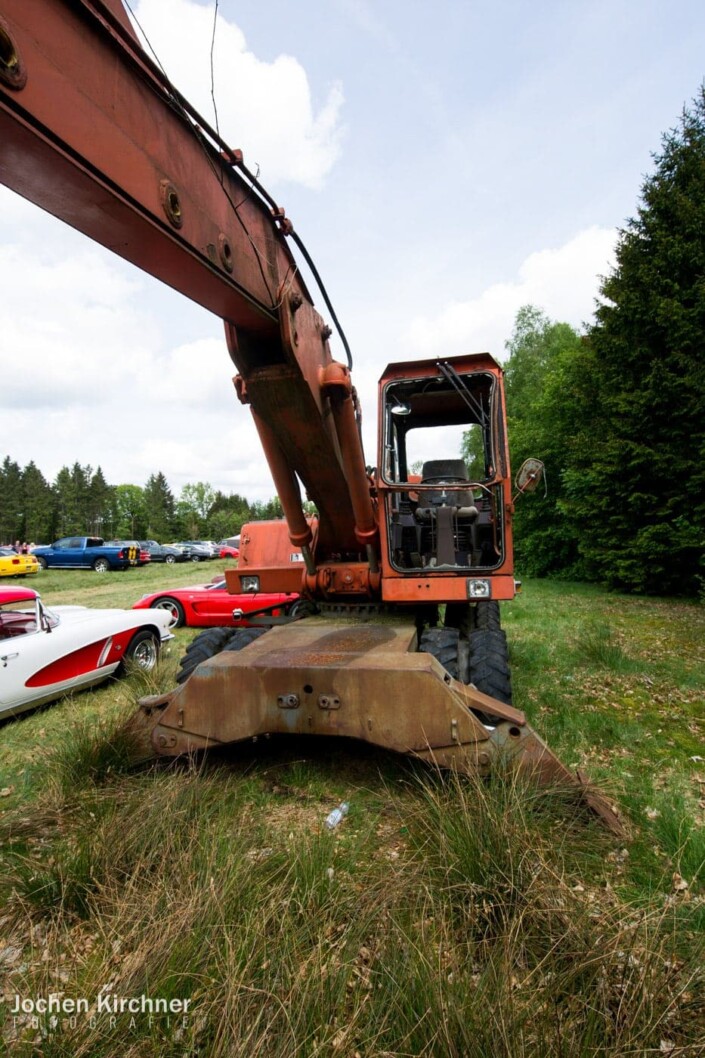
<point x="444" y="917"/>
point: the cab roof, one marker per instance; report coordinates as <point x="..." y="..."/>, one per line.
<point x="466" y="362"/>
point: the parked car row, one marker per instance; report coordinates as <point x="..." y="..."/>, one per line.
<point x="201" y="550"/>
<point x="163" y="552"/>
<point x="92" y="552"/>
<point x="195" y="550"/>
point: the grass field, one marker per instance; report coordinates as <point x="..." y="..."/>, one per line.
<point x="441" y="918"/>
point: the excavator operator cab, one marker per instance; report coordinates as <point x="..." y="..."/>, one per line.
<point x="443" y="465"/>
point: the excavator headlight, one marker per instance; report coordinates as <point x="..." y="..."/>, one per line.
<point x="249" y="583"/>
<point x="479" y="589"/>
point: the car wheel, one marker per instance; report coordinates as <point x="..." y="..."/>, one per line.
<point x="195" y="558"/>
<point x="170" y="559"/>
<point x="42" y="562"/>
<point x="173" y="606"/>
<point x="143" y="650"/>
<point x="101" y="565"/>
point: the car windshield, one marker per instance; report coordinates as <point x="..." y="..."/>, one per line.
<point x="217" y="585"/>
<point x="21" y="617"/>
<point x="19" y="606"/>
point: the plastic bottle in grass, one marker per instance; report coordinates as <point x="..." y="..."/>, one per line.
<point x="336" y="815"/>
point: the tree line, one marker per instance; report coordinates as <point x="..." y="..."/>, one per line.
<point x="618" y="413"/>
<point x="81" y="501"/>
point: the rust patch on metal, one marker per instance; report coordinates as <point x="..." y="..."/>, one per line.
<point x="351" y="639"/>
<point x="13" y="71"/>
<point x="171" y="203"/>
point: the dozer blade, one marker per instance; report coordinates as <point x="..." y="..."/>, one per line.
<point x="364" y="681"/>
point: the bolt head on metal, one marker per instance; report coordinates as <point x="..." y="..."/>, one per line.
<point x="288" y="701"/>
<point x="171" y="203"/>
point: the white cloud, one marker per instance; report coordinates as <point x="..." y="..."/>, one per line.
<point x="95" y="368"/>
<point x="265" y="108"/>
<point x="76" y="322"/>
<point x="91" y="373"/>
<point x="562" y="281"/>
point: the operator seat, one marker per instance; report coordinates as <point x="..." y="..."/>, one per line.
<point x="447" y="516"/>
<point x="446" y="472"/>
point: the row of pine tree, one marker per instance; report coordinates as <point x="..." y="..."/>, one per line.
<point x="81" y="501"/>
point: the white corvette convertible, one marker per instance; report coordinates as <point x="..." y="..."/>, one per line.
<point x="46" y="653"/>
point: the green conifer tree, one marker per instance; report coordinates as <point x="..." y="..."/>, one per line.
<point x="637" y="489"/>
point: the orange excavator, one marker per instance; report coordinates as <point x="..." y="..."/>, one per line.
<point x="396" y="638"/>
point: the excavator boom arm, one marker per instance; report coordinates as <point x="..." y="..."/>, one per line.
<point x="93" y="131"/>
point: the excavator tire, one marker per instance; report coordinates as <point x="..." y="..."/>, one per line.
<point x="443" y="644"/>
<point x="213" y="642"/>
<point x="204" y="646"/>
<point x="488" y="665"/>
<point x="480" y="617"/>
<point x="487" y="617"/>
<point x="483" y="656"/>
<point x="243" y="637"/>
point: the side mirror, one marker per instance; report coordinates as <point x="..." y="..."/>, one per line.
<point x="530" y="474"/>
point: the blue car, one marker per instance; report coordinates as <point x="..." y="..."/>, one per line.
<point x="86" y="552"/>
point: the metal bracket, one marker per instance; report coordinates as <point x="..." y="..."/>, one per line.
<point x="328" y="701"/>
<point x="288" y="701"/>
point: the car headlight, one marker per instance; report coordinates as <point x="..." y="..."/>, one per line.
<point x="479" y="589"/>
<point x="249" y="583"/>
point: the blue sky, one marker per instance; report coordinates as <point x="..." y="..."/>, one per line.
<point x="444" y="163"/>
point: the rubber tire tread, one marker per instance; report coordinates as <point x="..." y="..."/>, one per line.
<point x="487" y="617"/>
<point x="243" y="637"/>
<point x="204" y="646"/>
<point x="443" y="644"/>
<point x="488" y="664"/>
<point x="483" y="616"/>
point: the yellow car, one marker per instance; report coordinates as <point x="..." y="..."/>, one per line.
<point x="14" y="565"/>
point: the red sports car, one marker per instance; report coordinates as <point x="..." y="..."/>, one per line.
<point x="227" y="551"/>
<point x="212" y="605"/>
